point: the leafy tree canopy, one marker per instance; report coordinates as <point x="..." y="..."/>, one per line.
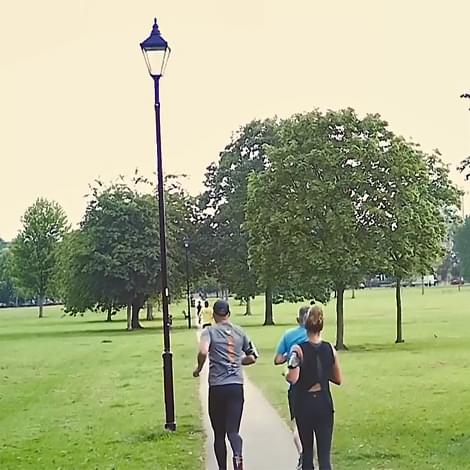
<point x="34" y="250"/>
<point x="337" y="188"/>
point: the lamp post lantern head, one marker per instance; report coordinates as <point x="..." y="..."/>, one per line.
<point x="156" y="52"/>
<point x="186" y="242"/>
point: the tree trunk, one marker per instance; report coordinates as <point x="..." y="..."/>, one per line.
<point x="340" y="319"/>
<point x="129" y="317"/>
<point x="41" y="306"/>
<point x="109" y="314"/>
<point x="353" y="294"/>
<point x="136" y="306"/>
<point x="398" y="301"/>
<point x="268" y="307"/>
<point x="149" y="312"/>
<point x="422" y="285"/>
<point x="248" y="306"/>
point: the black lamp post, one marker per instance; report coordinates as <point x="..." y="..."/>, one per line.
<point x="188" y="295"/>
<point x="156" y="52"/>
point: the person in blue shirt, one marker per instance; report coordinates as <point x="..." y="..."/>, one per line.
<point x="290" y="339"/>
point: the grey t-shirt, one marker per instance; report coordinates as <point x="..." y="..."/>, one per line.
<point x="227" y="345"/>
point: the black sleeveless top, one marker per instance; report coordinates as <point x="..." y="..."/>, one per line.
<point x="316" y="367"/>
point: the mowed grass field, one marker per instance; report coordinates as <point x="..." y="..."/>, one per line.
<point x="79" y="393"/>
<point x="402" y="406"/>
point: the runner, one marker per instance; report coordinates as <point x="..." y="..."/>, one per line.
<point x="288" y="341"/>
<point x="312" y="365"/>
<point x="198" y="310"/>
<point x="206" y="315"/>
<point x="228" y="348"/>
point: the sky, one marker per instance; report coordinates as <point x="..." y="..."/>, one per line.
<point x="76" y="102"/>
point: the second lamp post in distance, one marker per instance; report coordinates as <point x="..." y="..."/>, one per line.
<point x="188" y="292"/>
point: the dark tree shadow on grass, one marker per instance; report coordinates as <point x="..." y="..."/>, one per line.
<point x="286" y="325"/>
<point x="380" y="347"/>
<point x="414" y="346"/>
<point x="99" y="334"/>
<point x="159" y="434"/>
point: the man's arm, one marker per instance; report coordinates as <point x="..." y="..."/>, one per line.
<point x="280" y="359"/>
<point x="281" y="353"/>
<point x="203" y="352"/>
<point x="248" y="360"/>
<point x="251" y="354"/>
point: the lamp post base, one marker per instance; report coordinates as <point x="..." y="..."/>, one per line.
<point x="170" y="422"/>
<point x="170" y="427"/>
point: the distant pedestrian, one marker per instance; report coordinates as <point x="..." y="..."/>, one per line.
<point x="198" y="309"/>
<point x="206" y="315"/>
<point x="228" y="348"/>
<point x="290" y="339"/>
<point x="311" y="367"/>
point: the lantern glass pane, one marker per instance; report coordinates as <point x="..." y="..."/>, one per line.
<point x="156" y="60"/>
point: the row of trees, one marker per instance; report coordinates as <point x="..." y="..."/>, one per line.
<point x="341" y="198"/>
<point x="314" y="203"/>
<point x="112" y="260"/>
<point x="295" y="208"/>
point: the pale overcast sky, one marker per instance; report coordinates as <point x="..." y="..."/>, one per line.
<point x="76" y="100"/>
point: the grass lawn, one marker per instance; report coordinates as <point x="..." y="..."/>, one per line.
<point x="79" y="393"/>
<point x="404" y="406"/>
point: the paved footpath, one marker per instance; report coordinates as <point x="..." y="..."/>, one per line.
<point x="267" y="441"/>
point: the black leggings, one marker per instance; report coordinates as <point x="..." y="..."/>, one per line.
<point x="314" y="414"/>
<point x="225" y="412"/>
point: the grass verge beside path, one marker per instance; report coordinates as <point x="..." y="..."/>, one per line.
<point x="79" y="393"/>
<point x="402" y="407"/>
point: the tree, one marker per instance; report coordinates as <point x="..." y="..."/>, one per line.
<point x="34" y="249"/>
<point x="465" y="163"/>
<point x="224" y="202"/>
<point x="310" y="216"/>
<point x="10" y="294"/>
<point x="117" y="249"/>
<point x="78" y="285"/>
<point x="421" y="208"/>
<point x="113" y="261"/>
<point x="323" y="212"/>
<point x="462" y="247"/>
<point x="184" y="220"/>
<point x="7" y="292"/>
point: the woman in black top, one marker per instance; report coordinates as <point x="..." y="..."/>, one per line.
<point x="312" y="366"/>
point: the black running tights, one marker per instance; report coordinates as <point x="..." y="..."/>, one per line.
<point x="314" y="415"/>
<point x="225" y="412"/>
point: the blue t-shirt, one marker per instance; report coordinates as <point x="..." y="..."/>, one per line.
<point x="290" y="339"/>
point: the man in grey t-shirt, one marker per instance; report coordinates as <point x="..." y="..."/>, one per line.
<point x="228" y="348"/>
